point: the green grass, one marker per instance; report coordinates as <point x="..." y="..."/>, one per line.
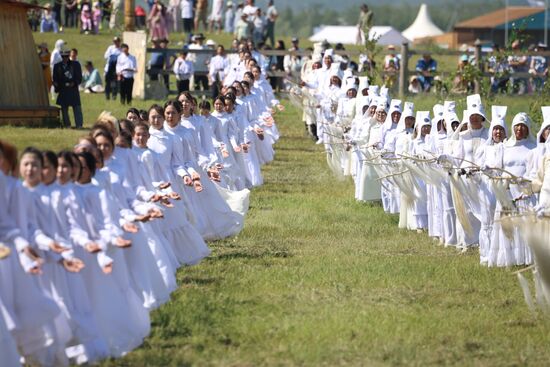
<point x="316" y="278"/>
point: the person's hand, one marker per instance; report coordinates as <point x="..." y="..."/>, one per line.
<point x="143" y="218"/>
<point x="155" y="198"/>
<point x="164" y="185"/>
<point x="187" y="180"/>
<point x="302" y="83"/>
<point x="122" y="243"/>
<point x="225" y="153"/>
<point x="237" y="149"/>
<point x="107" y="269"/>
<point x="174" y="195"/>
<point x="244" y="147"/>
<point x="57" y="248"/>
<point x="92" y="247"/>
<point x="35" y="270"/>
<point x="156" y="213"/>
<point x="73" y="265"/>
<point x="130" y="228"/>
<point x="195" y="176"/>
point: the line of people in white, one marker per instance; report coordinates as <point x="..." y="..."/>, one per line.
<point x="90" y="239"/>
<point x="457" y="179"/>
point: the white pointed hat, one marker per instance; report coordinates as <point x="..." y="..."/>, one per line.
<point x="408" y="111"/>
<point x="439" y="112"/>
<point x="422" y="119"/>
<point x="545" y="121"/>
<point x="363" y="82"/>
<point x="395" y="106"/>
<point x="475" y="106"/>
<point x="498" y="118"/>
<point x="374" y="90"/>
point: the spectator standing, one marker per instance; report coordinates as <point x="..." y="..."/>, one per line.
<point x="186" y="7"/>
<point x="126" y="66"/>
<point x="498" y="66"/>
<point x="91" y="80"/>
<point x="250" y="10"/>
<point x="364" y="24"/>
<point x="538" y="69"/>
<point x="183" y="69"/>
<point x="172" y="12"/>
<point x="115" y="8"/>
<point x="141" y="17"/>
<point x="57" y="5"/>
<point x="105" y="11"/>
<point x="216" y="16"/>
<point x="518" y="64"/>
<point x="201" y="14"/>
<point x="96" y="17"/>
<point x="292" y="62"/>
<point x="271" y="15"/>
<point x="279" y="65"/>
<point x="56" y="53"/>
<point x="259" y="27"/>
<point x="47" y="21"/>
<point x="238" y="16"/>
<point x="157" y="61"/>
<point x="67" y="76"/>
<point x="426" y="68"/>
<point x="157" y="21"/>
<point x="111" y="57"/>
<point x="242" y="29"/>
<point x="200" y="62"/>
<point x="391" y="67"/>
<point x="33" y="17"/>
<point x="71" y="13"/>
<point x="217" y="70"/>
<point x="44" y="55"/>
<point x="229" y="25"/>
<point x="86" y="17"/>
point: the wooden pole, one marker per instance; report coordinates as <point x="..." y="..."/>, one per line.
<point x="404" y="70"/>
<point x="129" y="16"/>
<point x="479" y="64"/>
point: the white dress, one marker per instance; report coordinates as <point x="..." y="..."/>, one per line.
<point x="121" y="316"/>
<point x="221" y="221"/>
<point x="509" y="249"/>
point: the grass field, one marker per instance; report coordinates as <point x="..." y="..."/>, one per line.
<point x="316" y="278"/>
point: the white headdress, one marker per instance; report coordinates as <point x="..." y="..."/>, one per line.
<point x="520" y="118"/>
<point x="408" y="111"/>
<point x="422" y="119"/>
<point x="498" y="116"/>
<point x="395" y="106"/>
<point x="363" y="83"/>
<point x="545" y="121"/>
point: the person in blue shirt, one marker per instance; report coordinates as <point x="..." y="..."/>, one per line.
<point x="426" y="69"/>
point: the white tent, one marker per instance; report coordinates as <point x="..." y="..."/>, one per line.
<point x="348" y="35"/>
<point x="423" y="26"/>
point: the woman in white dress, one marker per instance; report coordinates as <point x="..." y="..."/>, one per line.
<point x="121" y="316"/>
<point x="184" y="237"/>
<point x="220" y="220"/>
<point x="509" y="249"/>
<point x="491" y="154"/>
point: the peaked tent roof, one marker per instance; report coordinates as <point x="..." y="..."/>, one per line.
<point x="348" y="35"/>
<point x="498" y="17"/>
<point x="423" y="26"/>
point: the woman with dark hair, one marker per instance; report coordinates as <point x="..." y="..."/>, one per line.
<point x="183" y="229"/>
<point x="121" y="317"/>
<point x="220" y="220"/>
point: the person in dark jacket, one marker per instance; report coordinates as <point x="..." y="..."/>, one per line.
<point x="67" y="76"/>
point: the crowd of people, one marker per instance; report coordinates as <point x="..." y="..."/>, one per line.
<point x="243" y="20"/>
<point x="91" y="238"/>
<point x="461" y="179"/>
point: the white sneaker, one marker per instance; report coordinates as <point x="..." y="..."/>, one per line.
<point x="319" y="142"/>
